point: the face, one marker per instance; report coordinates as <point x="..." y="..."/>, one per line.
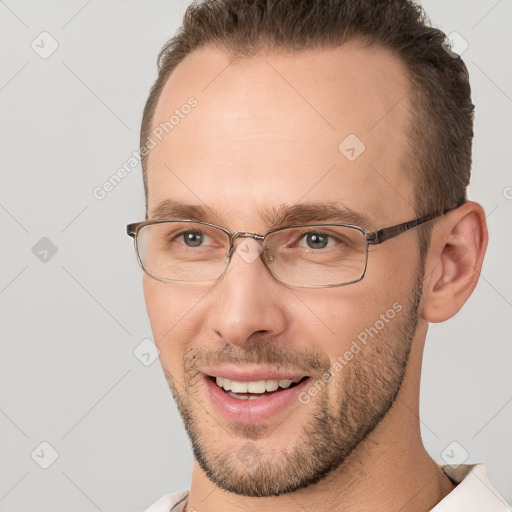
<point x="264" y="136"/>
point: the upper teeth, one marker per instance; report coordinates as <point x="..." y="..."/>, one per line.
<point x="257" y="386"/>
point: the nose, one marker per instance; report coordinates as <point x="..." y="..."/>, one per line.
<point x="248" y="299"/>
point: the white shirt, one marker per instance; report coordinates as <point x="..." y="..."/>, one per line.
<point x="474" y="493"/>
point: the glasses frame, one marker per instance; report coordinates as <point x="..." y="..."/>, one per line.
<point x="371" y="238"/>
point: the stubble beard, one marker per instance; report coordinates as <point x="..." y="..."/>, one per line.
<point x="331" y="432"/>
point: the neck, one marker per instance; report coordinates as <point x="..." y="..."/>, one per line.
<point x="389" y="471"/>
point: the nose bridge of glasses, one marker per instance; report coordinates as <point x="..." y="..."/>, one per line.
<point x="244" y="234"/>
<point x="239" y="234"/>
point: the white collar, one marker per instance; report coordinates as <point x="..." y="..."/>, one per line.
<point x="474" y="491"/>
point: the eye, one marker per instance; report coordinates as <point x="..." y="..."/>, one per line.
<point x="316" y="240"/>
<point x="193" y="238"/>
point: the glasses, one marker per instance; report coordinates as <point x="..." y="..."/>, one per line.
<point x="304" y="256"/>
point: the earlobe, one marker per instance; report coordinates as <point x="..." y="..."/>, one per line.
<point x="454" y="262"/>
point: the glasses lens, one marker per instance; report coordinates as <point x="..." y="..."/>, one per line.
<point x="182" y="251"/>
<point x="317" y="255"/>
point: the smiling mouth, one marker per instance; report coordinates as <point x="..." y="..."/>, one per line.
<point x="251" y="390"/>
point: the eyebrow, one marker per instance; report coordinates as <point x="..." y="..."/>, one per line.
<point x="171" y="209"/>
<point x="275" y="217"/>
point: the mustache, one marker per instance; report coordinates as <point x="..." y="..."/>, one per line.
<point x="263" y="352"/>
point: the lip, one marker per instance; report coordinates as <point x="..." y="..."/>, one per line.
<point x="257" y="410"/>
<point x="246" y="375"/>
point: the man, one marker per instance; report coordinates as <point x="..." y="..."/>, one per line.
<point x="305" y="166"/>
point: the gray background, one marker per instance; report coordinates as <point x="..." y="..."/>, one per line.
<point x="71" y="323"/>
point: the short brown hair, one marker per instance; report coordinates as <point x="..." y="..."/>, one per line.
<point x="441" y="128"/>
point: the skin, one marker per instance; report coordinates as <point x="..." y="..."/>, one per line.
<point x="265" y="133"/>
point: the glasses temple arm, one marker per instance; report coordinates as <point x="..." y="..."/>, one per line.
<point x="377" y="237"/>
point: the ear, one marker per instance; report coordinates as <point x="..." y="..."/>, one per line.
<point x="454" y="261"/>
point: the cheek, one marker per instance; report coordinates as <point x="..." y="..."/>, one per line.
<point x="175" y="316"/>
<point x="337" y="316"/>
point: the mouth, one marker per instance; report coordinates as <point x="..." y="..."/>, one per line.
<point x="251" y="399"/>
<point x="256" y="389"/>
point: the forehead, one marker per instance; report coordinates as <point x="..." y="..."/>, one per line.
<point x="282" y="128"/>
